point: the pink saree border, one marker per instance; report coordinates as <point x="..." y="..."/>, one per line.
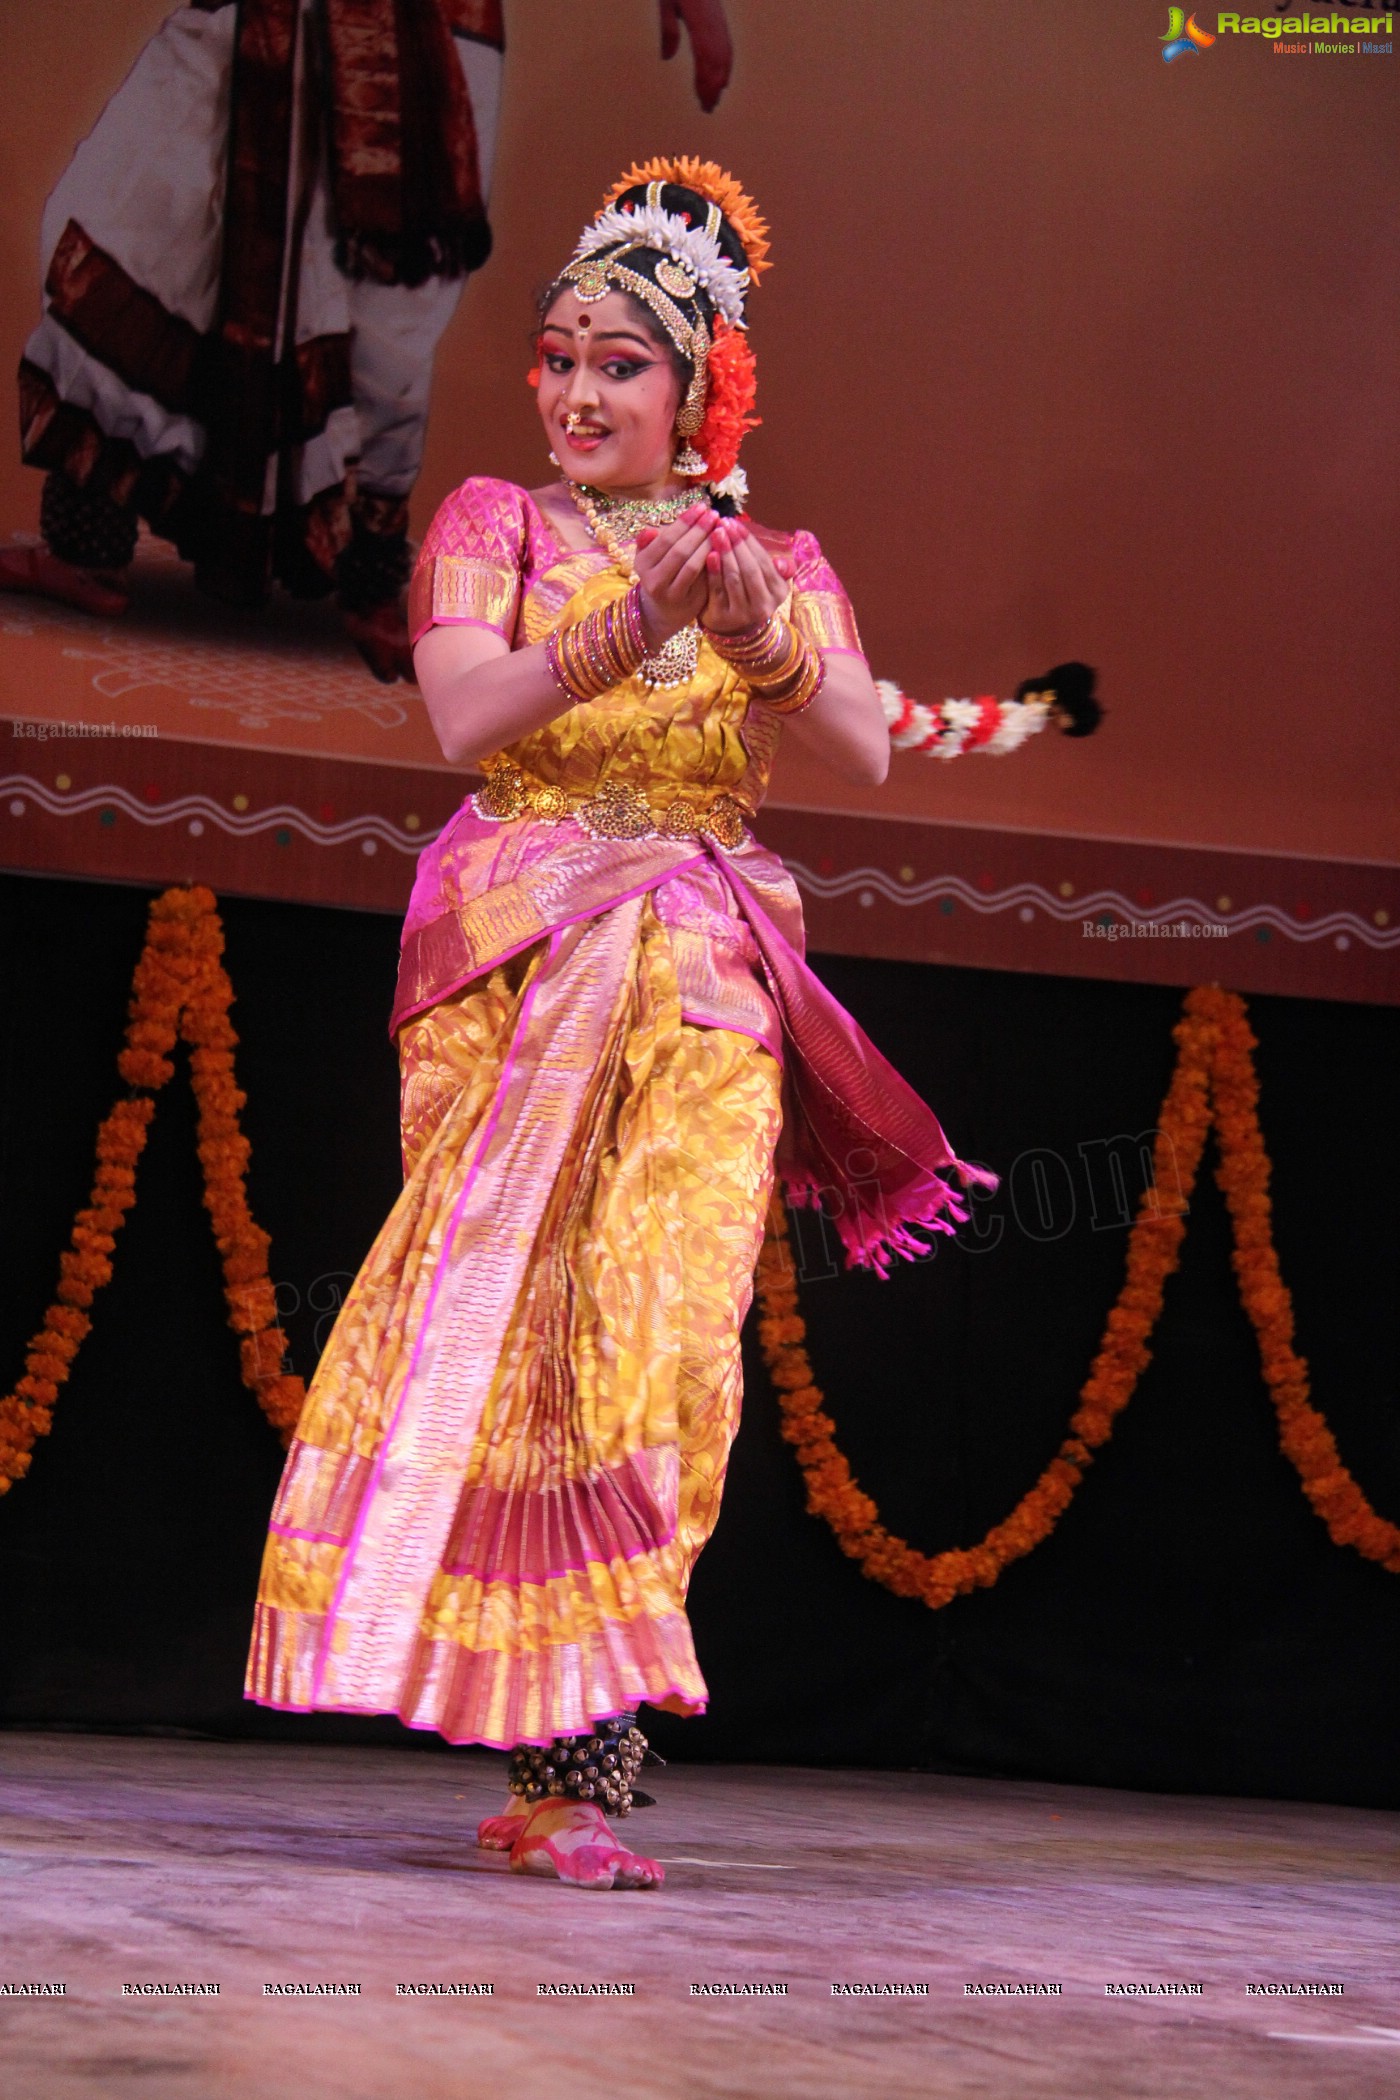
<point x="693" y="1707"/>
<point x="386" y="1442"/>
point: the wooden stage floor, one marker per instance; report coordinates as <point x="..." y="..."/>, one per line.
<point x="133" y="1862"/>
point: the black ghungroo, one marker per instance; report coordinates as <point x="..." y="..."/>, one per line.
<point x="85" y="526"/>
<point x="601" y="1767"/>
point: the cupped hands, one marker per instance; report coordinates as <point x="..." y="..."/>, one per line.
<point x="707" y="568"/>
<point x="746" y="583"/>
<point x="670" y="562"/>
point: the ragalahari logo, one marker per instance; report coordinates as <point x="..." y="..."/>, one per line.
<point x="1183" y="34"/>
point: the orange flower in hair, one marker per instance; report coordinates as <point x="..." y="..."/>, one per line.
<point x="732" y="377"/>
<point x="708" y="179"/>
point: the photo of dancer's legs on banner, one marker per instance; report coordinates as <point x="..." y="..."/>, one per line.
<point x="247" y="268"/>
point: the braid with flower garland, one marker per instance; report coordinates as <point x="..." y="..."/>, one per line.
<point x="947" y="730"/>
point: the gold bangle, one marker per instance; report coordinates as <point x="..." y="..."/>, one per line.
<point x="756" y="651"/>
<point x="602" y="650"/>
<point x="799" y="688"/>
<point x="775" y="678"/>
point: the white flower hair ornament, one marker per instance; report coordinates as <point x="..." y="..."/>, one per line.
<point x="690" y="248"/>
<point x="735" y="485"/>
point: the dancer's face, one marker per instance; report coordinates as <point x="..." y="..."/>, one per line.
<point x="608" y="395"/>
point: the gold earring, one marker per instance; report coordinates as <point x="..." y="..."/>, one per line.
<point x="692" y="409"/>
<point x="688" y="462"/>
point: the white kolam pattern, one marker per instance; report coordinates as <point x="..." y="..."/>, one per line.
<point x="291" y="676"/>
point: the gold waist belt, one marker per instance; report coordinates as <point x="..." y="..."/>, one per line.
<point x="614" y="810"/>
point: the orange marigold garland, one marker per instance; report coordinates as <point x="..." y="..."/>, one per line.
<point x="1214" y="1082"/>
<point x="179" y="989"/>
<point x="1243" y="1175"/>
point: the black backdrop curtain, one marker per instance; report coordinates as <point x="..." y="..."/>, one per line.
<point x="1189" y="1625"/>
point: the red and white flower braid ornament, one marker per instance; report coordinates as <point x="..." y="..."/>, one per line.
<point x="948" y="729"/>
<point x="952" y="727"/>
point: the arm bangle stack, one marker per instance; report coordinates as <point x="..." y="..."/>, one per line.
<point x="600" y="651"/>
<point x="778" y="665"/>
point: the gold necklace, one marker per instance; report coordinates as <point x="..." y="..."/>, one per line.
<point x="626" y="515"/>
<point x="673" y="664"/>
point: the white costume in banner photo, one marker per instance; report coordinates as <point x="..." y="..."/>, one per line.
<point x="247" y="267"/>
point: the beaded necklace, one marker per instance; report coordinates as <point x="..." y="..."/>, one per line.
<point x="673" y="664"/>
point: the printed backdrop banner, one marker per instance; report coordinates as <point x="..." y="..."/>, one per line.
<point x="1066" y="352"/>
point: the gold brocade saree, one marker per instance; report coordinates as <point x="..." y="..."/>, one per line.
<point x="553" y="1306"/>
<point x="514" y="1446"/>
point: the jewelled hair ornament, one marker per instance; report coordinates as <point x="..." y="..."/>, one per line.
<point x="696" y="291"/>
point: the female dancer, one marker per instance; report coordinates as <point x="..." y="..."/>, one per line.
<point x="515" y="1444"/>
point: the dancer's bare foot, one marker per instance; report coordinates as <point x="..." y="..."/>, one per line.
<point x="572" y="1840"/>
<point x="44" y="575"/>
<point x="381" y="636"/>
<point x="499" y="1833"/>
